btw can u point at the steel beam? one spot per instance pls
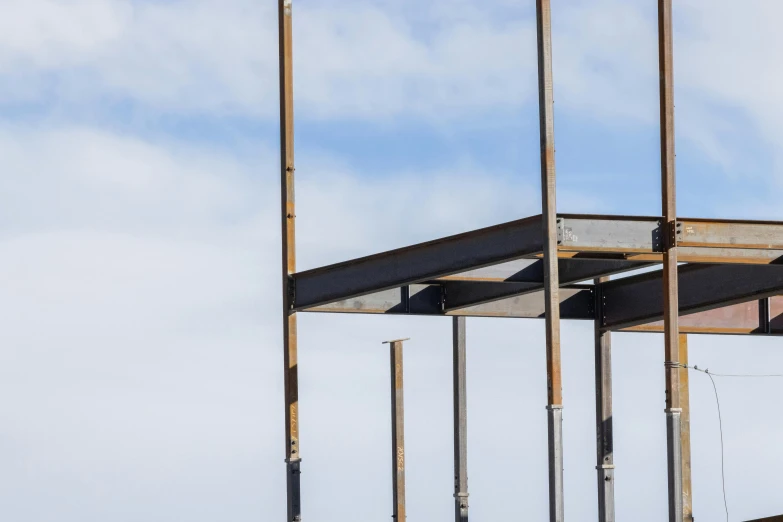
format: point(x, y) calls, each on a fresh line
point(418, 263)
point(603, 413)
point(398, 430)
point(576, 302)
point(288, 216)
point(670, 279)
point(460, 421)
point(685, 436)
point(641, 299)
point(465, 293)
point(550, 244)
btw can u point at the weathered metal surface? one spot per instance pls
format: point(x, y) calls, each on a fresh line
point(418, 263)
point(575, 303)
point(730, 234)
point(550, 246)
point(640, 299)
point(743, 318)
point(603, 413)
point(468, 293)
point(625, 234)
point(670, 274)
point(685, 434)
point(460, 420)
point(288, 216)
point(770, 519)
point(398, 431)
point(532, 270)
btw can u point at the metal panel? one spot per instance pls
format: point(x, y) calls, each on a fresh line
point(288, 216)
point(603, 413)
point(417, 263)
point(460, 421)
point(638, 300)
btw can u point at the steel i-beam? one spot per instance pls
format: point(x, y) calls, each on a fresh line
point(288, 212)
point(670, 302)
point(603, 411)
point(460, 422)
point(551, 279)
point(398, 431)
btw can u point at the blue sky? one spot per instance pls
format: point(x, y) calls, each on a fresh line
point(139, 249)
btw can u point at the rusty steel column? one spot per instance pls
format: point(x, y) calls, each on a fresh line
point(460, 422)
point(551, 277)
point(290, 379)
point(670, 290)
point(603, 411)
point(685, 403)
point(398, 431)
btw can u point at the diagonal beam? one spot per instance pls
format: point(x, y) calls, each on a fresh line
point(468, 293)
point(638, 300)
point(417, 263)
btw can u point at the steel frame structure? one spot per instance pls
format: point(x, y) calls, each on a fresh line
point(717, 277)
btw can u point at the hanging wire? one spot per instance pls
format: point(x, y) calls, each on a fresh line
point(720, 418)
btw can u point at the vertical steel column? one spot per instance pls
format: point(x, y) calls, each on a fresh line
point(551, 277)
point(685, 403)
point(460, 422)
point(671, 302)
point(603, 411)
point(290, 379)
point(398, 431)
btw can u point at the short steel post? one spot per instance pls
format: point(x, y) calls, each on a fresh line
point(603, 411)
point(460, 422)
point(685, 435)
point(398, 431)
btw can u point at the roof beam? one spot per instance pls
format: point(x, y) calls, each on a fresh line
point(638, 300)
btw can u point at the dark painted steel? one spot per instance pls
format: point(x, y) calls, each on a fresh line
point(463, 294)
point(288, 215)
point(418, 263)
point(460, 421)
point(640, 299)
point(576, 302)
point(603, 413)
point(398, 431)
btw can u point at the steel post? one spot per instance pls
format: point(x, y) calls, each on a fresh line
point(288, 212)
point(685, 434)
point(669, 224)
point(603, 412)
point(398, 431)
point(460, 422)
point(551, 279)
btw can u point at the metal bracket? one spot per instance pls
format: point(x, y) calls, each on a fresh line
point(560, 230)
point(291, 292)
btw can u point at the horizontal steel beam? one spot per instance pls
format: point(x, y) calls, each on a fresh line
point(489, 254)
point(417, 263)
point(639, 300)
point(575, 303)
point(467, 293)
